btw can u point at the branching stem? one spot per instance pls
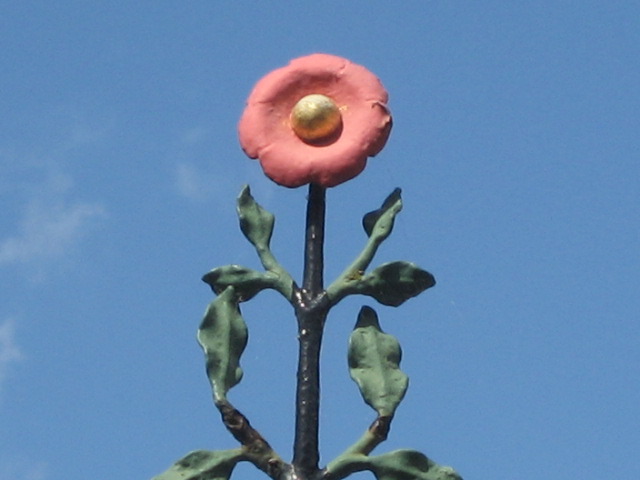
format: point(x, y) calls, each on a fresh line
point(256, 449)
point(311, 306)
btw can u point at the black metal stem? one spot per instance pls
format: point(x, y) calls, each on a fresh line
point(311, 311)
point(314, 241)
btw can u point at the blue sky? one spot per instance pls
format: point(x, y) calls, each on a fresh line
point(515, 142)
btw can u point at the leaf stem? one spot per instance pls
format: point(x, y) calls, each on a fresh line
point(255, 448)
point(352, 274)
point(378, 225)
point(355, 458)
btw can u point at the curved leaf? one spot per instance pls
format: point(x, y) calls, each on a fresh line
point(255, 222)
point(396, 465)
point(203, 465)
point(245, 281)
point(395, 282)
point(378, 226)
point(223, 337)
point(380, 221)
point(374, 361)
point(410, 465)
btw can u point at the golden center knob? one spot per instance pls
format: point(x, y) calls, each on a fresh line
point(315, 117)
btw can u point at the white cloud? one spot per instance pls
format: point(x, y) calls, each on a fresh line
point(50, 222)
point(194, 135)
point(221, 186)
point(43, 220)
point(9, 351)
point(48, 230)
point(191, 183)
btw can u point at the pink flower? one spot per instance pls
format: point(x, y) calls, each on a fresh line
point(317, 120)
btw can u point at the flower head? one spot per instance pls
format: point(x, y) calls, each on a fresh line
point(317, 120)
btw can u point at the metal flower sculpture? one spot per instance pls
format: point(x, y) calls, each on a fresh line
point(313, 122)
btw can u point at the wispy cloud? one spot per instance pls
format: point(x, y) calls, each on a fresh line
point(192, 184)
point(10, 353)
point(44, 219)
point(48, 230)
point(198, 184)
point(49, 222)
point(200, 175)
point(194, 135)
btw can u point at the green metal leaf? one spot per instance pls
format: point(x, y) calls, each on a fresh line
point(409, 465)
point(203, 465)
point(374, 361)
point(223, 337)
point(378, 226)
point(255, 222)
point(380, 221)
point(395, 282)
point(246, 282)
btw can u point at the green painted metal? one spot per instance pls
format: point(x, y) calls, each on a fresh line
point(223, 337)
point(257, 226)
point(255, 222)
point(396, 465)
point(204, 465)
point(374, 364)
point(391, 283)
point(245, 281)
point(409, 465)
point(374, 356)
point(394, 283)
point(379, 223)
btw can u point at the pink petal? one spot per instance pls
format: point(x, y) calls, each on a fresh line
point(265, 132)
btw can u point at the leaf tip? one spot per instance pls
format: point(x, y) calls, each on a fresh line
point(392, 204)
point(367, 317)
point(245, 190)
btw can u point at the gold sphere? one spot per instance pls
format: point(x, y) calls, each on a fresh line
point(315, 117)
